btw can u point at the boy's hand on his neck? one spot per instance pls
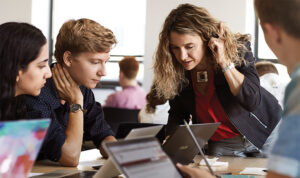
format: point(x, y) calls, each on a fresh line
point(68, 90)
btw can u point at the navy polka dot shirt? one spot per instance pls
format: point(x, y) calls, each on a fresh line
point(47, 105)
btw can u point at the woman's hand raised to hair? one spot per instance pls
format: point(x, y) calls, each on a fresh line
point(218, 50)
point(67, 88)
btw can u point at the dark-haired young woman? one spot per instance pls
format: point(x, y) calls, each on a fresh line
point(23, 67)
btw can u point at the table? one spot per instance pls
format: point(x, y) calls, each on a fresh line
point(87, 159)
point(92, 157)
point(236, 164)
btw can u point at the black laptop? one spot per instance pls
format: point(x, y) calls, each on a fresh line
point(181, 148)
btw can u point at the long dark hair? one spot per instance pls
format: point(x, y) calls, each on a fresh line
point(20, 43)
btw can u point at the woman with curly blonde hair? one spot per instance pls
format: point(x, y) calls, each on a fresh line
point(207, 73)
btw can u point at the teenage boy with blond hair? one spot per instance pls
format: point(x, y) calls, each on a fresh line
point(82, 49)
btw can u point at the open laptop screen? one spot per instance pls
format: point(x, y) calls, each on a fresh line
point(20, 142)
point(141, 158)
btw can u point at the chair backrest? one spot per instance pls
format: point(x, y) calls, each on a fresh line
point(115, 116)
point(125, 128)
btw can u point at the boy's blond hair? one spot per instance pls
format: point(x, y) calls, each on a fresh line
point(82, 35)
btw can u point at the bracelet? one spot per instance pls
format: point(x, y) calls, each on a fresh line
point(230, 66)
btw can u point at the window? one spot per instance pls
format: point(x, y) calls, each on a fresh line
point(125, 18)
point(263, 52)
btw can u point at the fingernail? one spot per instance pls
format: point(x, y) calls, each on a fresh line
point(178, 164)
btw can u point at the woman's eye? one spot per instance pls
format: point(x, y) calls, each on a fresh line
point(189, 47)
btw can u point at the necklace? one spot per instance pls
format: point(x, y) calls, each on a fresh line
point(202, 76)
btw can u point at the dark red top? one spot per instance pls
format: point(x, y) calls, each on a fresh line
point(209, 109)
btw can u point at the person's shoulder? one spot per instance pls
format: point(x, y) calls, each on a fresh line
point(141, 90)
point(292, 97)
point(111, 100)
point(113, 97)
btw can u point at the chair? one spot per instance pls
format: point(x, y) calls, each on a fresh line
point(115, 116)
point(125, 128)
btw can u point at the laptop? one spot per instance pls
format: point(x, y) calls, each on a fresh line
point(125, 128)
point(151, 131)
point(109, 169)
point(142, 157)
point(20, 143)
point(180, 146)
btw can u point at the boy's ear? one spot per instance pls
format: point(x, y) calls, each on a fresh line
point(272, 32)
point(67, 58)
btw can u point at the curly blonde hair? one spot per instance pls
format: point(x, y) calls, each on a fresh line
point(169, 75)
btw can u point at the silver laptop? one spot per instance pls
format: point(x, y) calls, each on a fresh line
point(142, 157)
point(109, 169)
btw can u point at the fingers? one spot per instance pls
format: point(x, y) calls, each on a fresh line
point(186, 169)
point(194, 172)
point(57, 81)
point(57, 76)
point(63, 75)
point(67, 75)
point(213, 46)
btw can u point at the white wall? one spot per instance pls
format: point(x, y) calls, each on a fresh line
point(15, 10)
point(231, 12)
point(35, 12)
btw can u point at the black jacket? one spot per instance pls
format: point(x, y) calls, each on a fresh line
point(254, 111)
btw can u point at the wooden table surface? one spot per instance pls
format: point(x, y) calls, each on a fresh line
point(92, 157)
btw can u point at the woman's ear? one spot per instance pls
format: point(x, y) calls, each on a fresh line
point(19, 74)
point(67, 58)
point(17, 79)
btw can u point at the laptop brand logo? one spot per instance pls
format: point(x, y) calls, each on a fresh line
point(183, 147)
